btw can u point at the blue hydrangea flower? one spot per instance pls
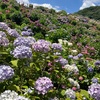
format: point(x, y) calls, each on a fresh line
point(70, 56)
point(13, 32)
point(75, 57)
point(97, 63)
point(26, 41)
point(3, 26)
point(56, 46)
point(41, 46)
point(27, 33)
point(43, 85)
point(94, 80)
point(80, 55)
point(94, 91)
point(90, 69)
point(6, 72)
point(22, 52)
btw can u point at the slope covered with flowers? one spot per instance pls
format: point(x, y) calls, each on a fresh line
point(47, 55)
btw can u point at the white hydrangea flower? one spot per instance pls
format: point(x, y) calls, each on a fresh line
point(74, 52)
point(70, 94)
point(60, 41)
point(71, 68)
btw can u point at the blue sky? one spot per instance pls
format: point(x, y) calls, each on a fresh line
point(70, 6)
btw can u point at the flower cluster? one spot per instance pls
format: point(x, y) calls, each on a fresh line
point(6, 72)
point(62, 61)
point(13, 32)
point(22, 52)
point(97, 63)
point(26, 41)
point(11, 95)
point(71, 68)
point(41, 46)
point(70, 94)
point(28, 32)
point(3, 26)
point(43, 85)
point(2, 34)
point(56, 46)
point(94, 91)
point(4, 41)
point(74, 83)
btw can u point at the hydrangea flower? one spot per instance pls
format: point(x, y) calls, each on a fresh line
point(90, 69)
point(11, 95)
point(4, 41)
point(26, 41)
point(3, 26)
point(71, 68)
point(41, 46)
point(75, 57)
point(56, 46)
point(43, 85)
point(70, 56)
point(80, 55)
point(2, 34)
point(6, 72)
point(94, 80)
point(94, 91)
point(70, 94)
point(22, 52)
point(74, 83)
point(62, 61)
point(13, 32)
point(28, 32)
point(97, 63)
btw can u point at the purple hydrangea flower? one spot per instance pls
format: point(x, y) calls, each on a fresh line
point(13, 32)
point(97, 63)
point(43, 85)
point(3, 26)
point(2, 34)
point(6, 72)
point(26, 41)
point(22, 52)
point(62, 61)
point(94, 91)
point(90, 69)
point(41, 46)
point(57, 46)
point(4, 41)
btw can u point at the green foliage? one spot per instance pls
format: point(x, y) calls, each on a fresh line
point(91, 12)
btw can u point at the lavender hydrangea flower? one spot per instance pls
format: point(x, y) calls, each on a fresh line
point(6, 72)
point(70, 94)
point(41, 46)
point(56, 46)
point(94, 91)
point(11, 95)
point(43, 85)
point(80, 55)
point(22, 52)
point(3, 26)
point(13, 32)
point(62, 61)
point(70, 56)
point(2, 34)
point(4, 41)
point(75, 57)
point(26, 41)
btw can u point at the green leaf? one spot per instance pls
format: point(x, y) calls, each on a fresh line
point(14, 63)
point(84, 93)
point(25, 87)
point(63, 92)
point(31, 82)
point(14, 87)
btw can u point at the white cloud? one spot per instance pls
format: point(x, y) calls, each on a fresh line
point(49, 6)
point(88, 3)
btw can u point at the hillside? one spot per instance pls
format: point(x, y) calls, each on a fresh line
point(91, 12)
point(48, 55)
